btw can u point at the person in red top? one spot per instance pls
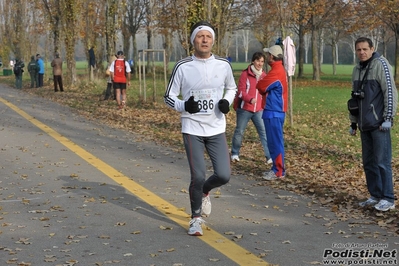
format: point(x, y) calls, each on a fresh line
point(248, 106)
point(120, 75)
point(274, 87)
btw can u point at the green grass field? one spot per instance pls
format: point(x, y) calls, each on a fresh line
point(326, 69)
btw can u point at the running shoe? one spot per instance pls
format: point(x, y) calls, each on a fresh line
point(270, 175)
point(384, 205)
point(206, 205)
point(369, 202)
point(235, 158)
point(195, 226)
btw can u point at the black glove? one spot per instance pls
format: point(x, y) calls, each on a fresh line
point(191, 106)
point(224, 106)
point(352, 129)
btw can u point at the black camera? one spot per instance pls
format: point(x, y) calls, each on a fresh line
point(358, 94)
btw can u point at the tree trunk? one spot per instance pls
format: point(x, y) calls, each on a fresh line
point(396, 76)
point(126, 40)
point(168, 50)
point(56, 27)
point(334, 60)
point(301, 52)
point(149, 46)
point(70, 38)
point(19, 30)
point(110, 37)
point(70, 59)
point(315, 55)
point(135, 54)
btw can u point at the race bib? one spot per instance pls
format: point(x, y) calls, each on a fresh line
point(207, 99)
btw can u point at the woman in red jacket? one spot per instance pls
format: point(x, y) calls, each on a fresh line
point(248, 106)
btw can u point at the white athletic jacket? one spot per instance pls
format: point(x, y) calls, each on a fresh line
point(209, 80)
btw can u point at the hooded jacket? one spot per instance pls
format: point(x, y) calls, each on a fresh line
point(378, 97)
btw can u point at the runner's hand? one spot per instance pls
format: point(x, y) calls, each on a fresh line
point(191, 106)
point(224, 106)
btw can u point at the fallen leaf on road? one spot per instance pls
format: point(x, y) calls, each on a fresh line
point(166, 227)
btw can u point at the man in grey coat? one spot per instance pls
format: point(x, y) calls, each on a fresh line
point(372, 109)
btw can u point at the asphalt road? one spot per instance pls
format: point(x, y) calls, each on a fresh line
point(76, 192)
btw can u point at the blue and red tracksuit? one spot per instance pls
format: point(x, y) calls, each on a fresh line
point(274, 87)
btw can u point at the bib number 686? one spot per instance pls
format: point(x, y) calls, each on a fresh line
point(206, 105)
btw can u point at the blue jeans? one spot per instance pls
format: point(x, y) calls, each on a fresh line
point(218, 151)
point(377, 157)
point(242, 120)
point(40, 79)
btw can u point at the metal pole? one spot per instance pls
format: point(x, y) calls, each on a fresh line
point(209, 10)
point(154, 90)
point(291, 102)
point(140, 54)
point(164, 67)
point(145, 86)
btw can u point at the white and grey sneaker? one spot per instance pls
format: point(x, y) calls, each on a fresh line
point(270, 175)
point(384, 205)
point(369, 202)
point(206, 205)
point(195, 226)
point(235, 158)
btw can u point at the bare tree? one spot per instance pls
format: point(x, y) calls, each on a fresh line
point(111, 11)
point(13, 29)
point(386, 12)
point(71, 16)
point(338, 26)
point(245, 41)
point(53, 13)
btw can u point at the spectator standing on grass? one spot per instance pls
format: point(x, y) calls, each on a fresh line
point(109, 91)
point(374, 90)
point(56, 64)
point(207, 88)
point(18, 71)
point(274, 88)
point(41, 70)
point(92, 62)
point(248, 106)
point(33, 69)
point(131, 63)
point(120, 75)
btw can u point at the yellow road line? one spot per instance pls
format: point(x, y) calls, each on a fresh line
point(217, 241)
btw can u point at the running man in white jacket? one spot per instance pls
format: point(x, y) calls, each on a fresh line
point(202, 88)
